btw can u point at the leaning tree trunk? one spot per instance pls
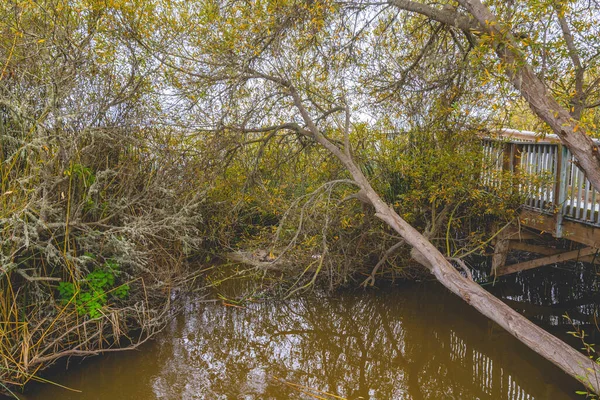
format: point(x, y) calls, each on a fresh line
point(548, 346)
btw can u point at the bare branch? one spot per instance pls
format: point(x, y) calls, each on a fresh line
point(577, 99)
point(447, 16)
point(370, 281)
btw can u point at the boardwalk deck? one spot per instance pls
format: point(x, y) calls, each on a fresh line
point(559, 198)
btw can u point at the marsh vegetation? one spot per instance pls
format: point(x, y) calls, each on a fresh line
point(329, 144)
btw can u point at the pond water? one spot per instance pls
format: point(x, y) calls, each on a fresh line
point(413, 341)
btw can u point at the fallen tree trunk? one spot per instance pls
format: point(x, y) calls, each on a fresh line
point(571, 361)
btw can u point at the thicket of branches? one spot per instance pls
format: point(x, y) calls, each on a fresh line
point(97, 213)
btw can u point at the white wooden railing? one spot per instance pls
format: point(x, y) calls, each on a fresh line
point(549, 176)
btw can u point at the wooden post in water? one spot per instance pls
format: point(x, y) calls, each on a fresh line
point(501, 249)
point(510, 161)
point(560, 188)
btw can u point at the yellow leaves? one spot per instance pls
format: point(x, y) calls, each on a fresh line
point(16, 32)
point(310, 241)
point(487, 73)
point(345, 222)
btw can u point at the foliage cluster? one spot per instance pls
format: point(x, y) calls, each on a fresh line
point(91, 294)
point(84, 169)
point(315, 224)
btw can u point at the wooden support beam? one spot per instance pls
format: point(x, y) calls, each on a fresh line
point(532, 248)
point(518, 232)
point(552, 259)
point(571, 230)
point(501, 248)
point(548, 251)
point(522, 235)
point(578, 232)
point(500, 253)
point(540, 222)
point(502, 244)
point(560, 188)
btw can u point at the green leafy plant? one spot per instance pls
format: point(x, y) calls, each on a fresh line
point(90, 295)
point(84, 173)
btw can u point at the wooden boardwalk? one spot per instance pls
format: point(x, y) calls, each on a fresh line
point(559, 198)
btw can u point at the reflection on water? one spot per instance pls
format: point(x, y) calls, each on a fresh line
point(407, 342)
point(546, 294)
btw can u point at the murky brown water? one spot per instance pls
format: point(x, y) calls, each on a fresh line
point(406, 342)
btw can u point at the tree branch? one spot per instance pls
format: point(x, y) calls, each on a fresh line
point(577, 100)
point(446, 16)
point(370, 281)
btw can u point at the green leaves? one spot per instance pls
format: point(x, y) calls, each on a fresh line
point(90, 295)
point(122, 291)
point(66, 290)
point(100, 279)
point(85, 174)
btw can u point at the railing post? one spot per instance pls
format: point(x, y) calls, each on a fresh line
point(516, 157)
point(516, 150)
point(507, 157)
point(560, 187)
point(510, 161)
